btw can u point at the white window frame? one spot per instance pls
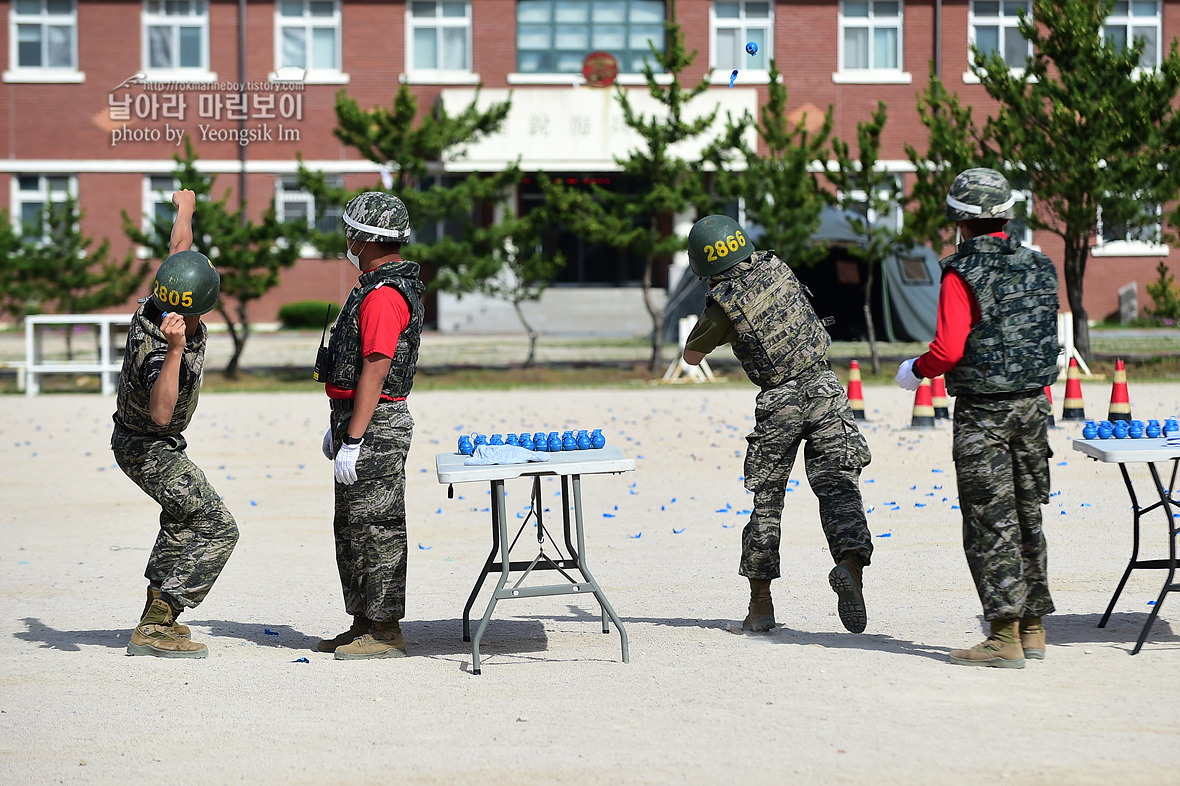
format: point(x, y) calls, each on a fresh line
point(861, 196)
point(625, 76)
point(284, 196)
point(743, 25)
point(151, 198)
point(1130, 20)
point(871, 75)
point(1027, 198)
point(42, 73)
point(1130, 248)
point(148, 18)
point(43, 195)
point(309, 75)
point(1003, 22)
point(440, 76)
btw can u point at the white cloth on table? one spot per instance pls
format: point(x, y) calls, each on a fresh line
point(503, 454)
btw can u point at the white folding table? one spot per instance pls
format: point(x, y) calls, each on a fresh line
point(1147, 451)
point(569, 466)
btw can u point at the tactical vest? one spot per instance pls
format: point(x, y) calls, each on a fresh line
point(133, 409)
point(344, 347)
point(779, 334)
point(1014, 345)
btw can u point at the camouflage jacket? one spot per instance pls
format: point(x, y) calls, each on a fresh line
point(1014, 345)
point(142, 361)
point(779, 334)
point(344, 348)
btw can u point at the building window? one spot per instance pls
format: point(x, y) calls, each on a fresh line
point(994, 26)
point(438, 36)
point(293, 203)
point(157, 200)
point(34, 195)
point(736, 24)
point(308, 36)
point(44, 35)
point(1140, 237)
point(176, 34)
point(554, 36)
point(870, 35)
point(1137, 19)
point(1017, 226)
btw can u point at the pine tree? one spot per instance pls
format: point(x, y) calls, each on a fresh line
point(1082, 127)
point(668, 183)
point(780, 190)
point(248, 255)
point(866, 193)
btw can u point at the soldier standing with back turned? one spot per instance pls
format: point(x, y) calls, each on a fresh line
point(756, 304)
point(158, 390)
point(996, 343)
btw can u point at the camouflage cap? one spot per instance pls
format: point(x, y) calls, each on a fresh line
point(376, 217)
point(980, 193)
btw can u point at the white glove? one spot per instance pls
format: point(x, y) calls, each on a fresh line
point(907, 377)
point(327, 446)
point(346, 463)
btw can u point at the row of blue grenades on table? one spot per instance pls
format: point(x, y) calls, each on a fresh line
point(586, 439)
point(1134, 429)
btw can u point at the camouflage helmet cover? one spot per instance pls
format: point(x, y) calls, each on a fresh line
point(715, 244)
point(980, 193)
point(187, 283)
point(376, 217)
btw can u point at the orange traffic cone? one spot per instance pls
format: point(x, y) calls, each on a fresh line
point(938, 397)
point(1049, 395)
point(1120, 399)
point(856, 396)
point(923, 407)
point(1073, 408)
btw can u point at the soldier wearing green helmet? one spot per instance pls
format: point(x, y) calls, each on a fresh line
point(158, 390)
point(996, 343)
point(756, 305)
point(369, 371)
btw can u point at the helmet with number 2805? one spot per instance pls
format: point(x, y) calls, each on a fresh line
point(187, 283)
point(715, 244)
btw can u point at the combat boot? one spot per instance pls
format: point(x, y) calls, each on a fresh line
point(1001, 650)
point(360, 626)
point(761, 615)
point(383, 641)
point(1032, 638)
point(153, 594)
point(155, 635)
point(845, 580)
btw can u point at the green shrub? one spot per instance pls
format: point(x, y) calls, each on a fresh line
point(305, 314)
point(1166, 296)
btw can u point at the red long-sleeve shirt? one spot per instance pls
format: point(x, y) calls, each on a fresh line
point(958, 312)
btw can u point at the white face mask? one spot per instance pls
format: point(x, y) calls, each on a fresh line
point(353, 258)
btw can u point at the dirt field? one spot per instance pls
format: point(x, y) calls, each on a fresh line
point(698, 703)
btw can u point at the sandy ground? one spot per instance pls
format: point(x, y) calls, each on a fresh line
point(698, 703)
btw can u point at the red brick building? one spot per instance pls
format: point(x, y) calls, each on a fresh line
point(90, 104)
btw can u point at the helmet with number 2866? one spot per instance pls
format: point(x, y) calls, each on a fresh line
point(715, 244)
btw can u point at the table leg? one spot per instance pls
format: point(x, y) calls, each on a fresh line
point(1136, 512)
point(598, 593)
point(1169, 584)
point(576, 552)
point(500, 515)
point(487, 568)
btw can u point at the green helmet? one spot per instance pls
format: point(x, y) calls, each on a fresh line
point(186, 283)
point(717, 243)
point(980, 193)
point(376, 217)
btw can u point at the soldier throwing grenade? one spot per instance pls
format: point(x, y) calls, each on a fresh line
point(158, 390)
point(756, 304)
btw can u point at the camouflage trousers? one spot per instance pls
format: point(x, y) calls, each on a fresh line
point(370, 515)
point(1001, 452)
point(197, 532)
point(814, 409)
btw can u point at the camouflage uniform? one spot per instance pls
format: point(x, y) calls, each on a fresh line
point(1001, 446)
point(370, 515)
point(197, 532)
point(782, 346)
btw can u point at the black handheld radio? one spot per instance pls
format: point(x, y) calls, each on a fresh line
point(321, 356)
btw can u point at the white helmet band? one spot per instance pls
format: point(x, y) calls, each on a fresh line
point(392, 234)
point(976, 210)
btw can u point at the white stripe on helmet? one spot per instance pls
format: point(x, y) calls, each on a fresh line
point(379, 231)
point(976, 210)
